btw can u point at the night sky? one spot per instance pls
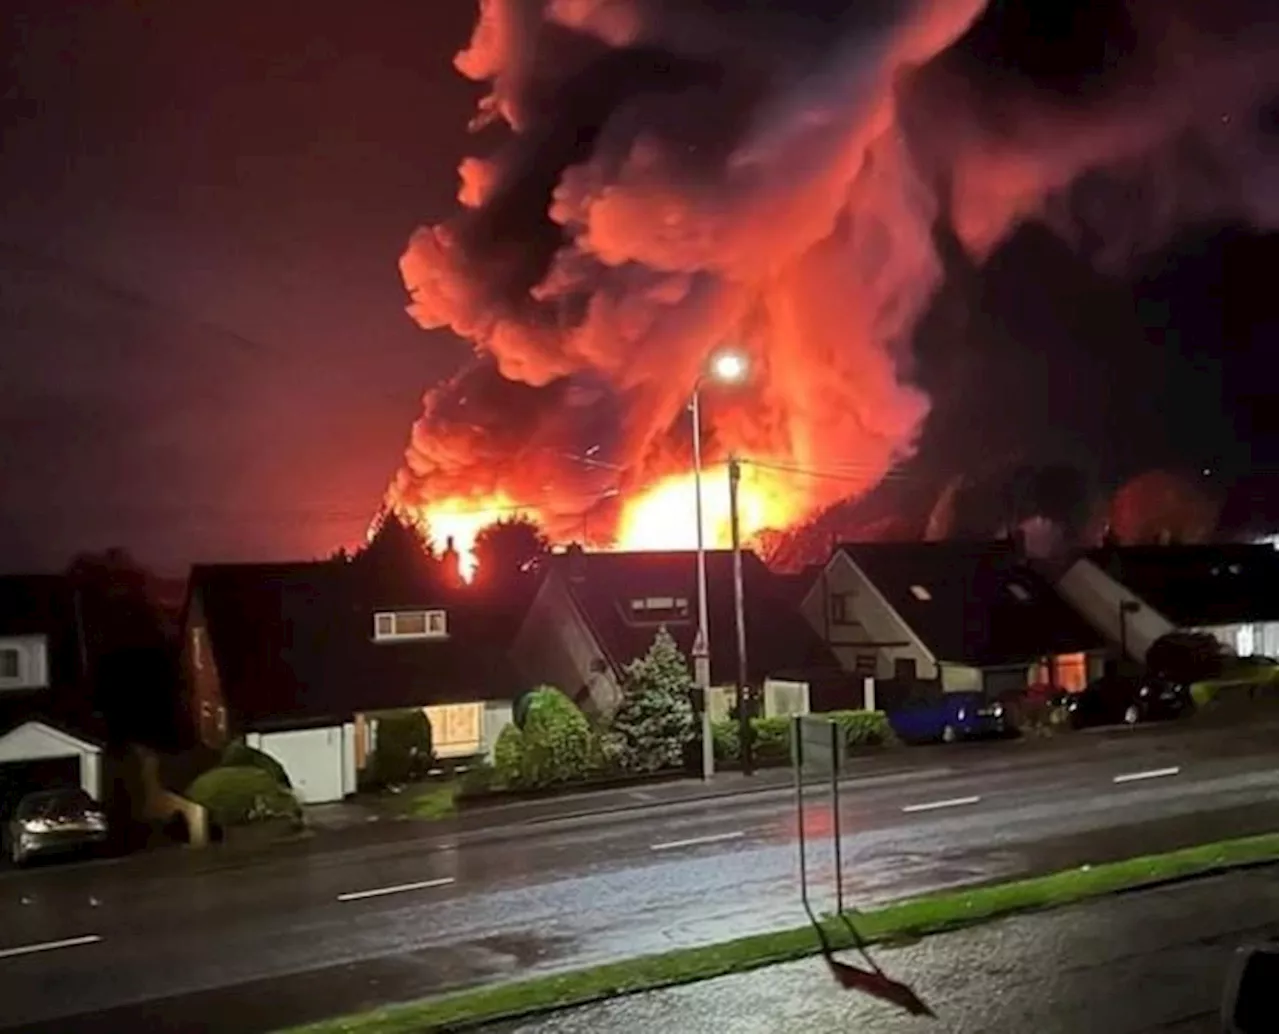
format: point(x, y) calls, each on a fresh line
point(203, 348)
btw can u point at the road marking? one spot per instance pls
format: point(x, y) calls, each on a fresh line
point(716, 838)
point(953, 802)
point(1155, 773)
point(31, 949)
point(377, 892)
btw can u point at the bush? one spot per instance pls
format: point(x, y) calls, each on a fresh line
point(726, 740)
point(654, 722)
point(402, 747)
point(237, 795)
point(556, 744)
point(240, 755)
point(771, 737)
point(508, 757)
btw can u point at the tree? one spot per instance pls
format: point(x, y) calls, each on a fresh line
point(654, 722)
point(507, 548)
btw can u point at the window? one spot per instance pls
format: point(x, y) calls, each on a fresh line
point(842, 609)
point(921, 593)
point(456, 729)
point(10, 664)
point(904, 669)
point(864, 664)
point(410, 624)
point(660, 608)
point(1019, 592)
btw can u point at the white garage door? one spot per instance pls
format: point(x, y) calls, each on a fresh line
point(313, 759)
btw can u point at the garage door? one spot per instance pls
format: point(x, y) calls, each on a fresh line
point(313, 759)
point(19, 778)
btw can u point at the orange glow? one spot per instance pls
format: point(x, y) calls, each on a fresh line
point(662, 517)
point(462, 520)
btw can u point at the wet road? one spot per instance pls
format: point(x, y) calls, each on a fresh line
point(1143, 962)
point(101, 948)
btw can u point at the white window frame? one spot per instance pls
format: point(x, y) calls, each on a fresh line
point(435, 625)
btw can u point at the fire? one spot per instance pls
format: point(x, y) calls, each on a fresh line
point(461, 520)
point(662, 517)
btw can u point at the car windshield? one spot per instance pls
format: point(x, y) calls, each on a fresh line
point(54, 804)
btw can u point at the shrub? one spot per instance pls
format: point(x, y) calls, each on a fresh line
point(726, 740)
point(508, 757)
point(863, 728)
point(654, 721)
point(556, 740)
point(240, 755)
point(771, 740)
point(402, 747)
point(237, 795)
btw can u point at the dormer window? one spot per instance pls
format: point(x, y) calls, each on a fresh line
point(659, 608)
point(394, 625)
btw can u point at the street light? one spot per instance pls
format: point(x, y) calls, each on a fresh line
point(729, 368)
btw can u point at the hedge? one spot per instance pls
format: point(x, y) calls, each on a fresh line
point(555, 746)
point(240, 755)
point(771, 737)
point(402, 747)
point(242, 794)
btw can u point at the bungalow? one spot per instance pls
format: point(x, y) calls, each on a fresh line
point(594, 613)
point(973, 615)
point(300, 657)
point(1136, 594)
point(48, 733)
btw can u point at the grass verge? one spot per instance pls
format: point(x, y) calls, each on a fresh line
point(932, 913)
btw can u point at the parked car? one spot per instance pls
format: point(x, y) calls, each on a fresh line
point(1126, 700)
point(55, 822)
point(947, 717)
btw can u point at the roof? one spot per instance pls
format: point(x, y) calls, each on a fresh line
point(985, 606)
point(794, 586)
point(294, 642)
point(1198, 586)
point(779, 639)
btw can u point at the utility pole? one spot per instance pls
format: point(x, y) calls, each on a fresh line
point(739, 617)
point(701, 647)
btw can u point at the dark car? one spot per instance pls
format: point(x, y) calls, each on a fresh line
point(55, 822)
point(947, 717)
point(1126, 700)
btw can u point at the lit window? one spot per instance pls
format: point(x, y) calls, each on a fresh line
point(410, 624)
point(921, 593)
point(1019, 592)
point(456, 729)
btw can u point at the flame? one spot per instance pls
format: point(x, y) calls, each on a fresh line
point(461, 520)
point(662, 517)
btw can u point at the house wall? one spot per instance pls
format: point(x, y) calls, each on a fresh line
point(497, 716)
point(205, 708)
point(874, 621)
point(1247, 638)
point(31, 652)
point(1097, 597)
point(320, 762)
point(555, 646)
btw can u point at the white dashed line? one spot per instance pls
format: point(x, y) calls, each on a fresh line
point(1155, 773)
point(954, 802)
point(695, 841)
point(357, 895)
point(31, 949)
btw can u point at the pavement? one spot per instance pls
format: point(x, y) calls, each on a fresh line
point(334, 924)
point(1138, 963)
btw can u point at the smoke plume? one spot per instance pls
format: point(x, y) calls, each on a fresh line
point(681, 175)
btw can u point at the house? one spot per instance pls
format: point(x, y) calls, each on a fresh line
point(1136, 594)
point(49, 735)
point(299, 658)
point(594, 613)
point(972, 615)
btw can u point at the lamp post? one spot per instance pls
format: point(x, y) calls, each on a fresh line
point(726, 367)
point(739, 618)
